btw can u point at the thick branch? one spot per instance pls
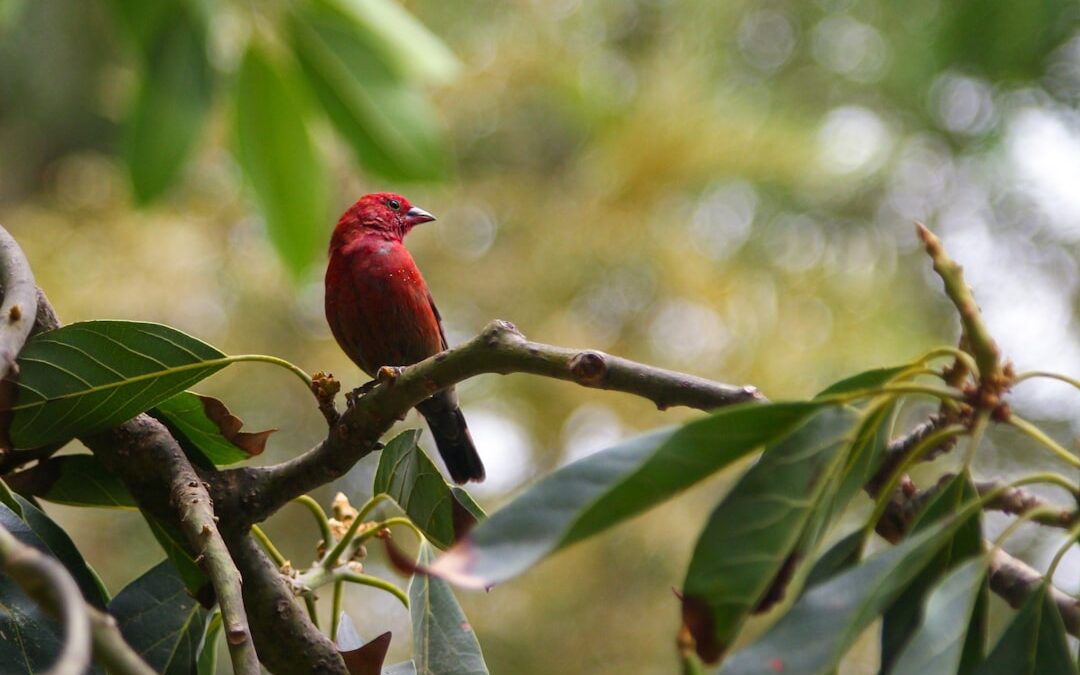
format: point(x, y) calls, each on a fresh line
point(49, 584)
point(500, 348)
point(284, 635)
point(158, 474)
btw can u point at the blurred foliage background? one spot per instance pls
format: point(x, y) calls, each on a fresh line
point(726, 188)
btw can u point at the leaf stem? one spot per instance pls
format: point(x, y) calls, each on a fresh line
point(1039, 435)
point(390, 522)
point(977, 430)
point(959, 354)
point(374, 582)
point(335, 609)
point(272, 550)
point(1031, 374)
point(331, 559)
point(320, 516)
point(370, 505)
point(309, 602)
point(1070, 541)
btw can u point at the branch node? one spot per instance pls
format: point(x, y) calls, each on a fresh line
point(588, 368)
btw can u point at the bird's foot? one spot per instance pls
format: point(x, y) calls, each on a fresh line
point(387, 374)
point(351, 397)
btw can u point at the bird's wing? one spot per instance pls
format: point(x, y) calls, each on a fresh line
point(438, 321)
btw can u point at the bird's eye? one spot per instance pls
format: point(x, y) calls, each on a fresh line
point(394, 204)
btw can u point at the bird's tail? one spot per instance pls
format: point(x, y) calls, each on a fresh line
point(452, 437)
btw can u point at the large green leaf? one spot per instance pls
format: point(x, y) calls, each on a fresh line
point(841, 556)
point(1034, 643)
point(813, 636)
point(938, 643)
point(402, 42)
point(276, 152)
point(170, 107)
point(751, 534)
point(208, 432)
point(608, 487)
point(29, 640)
point(902, 618)
point(75, 480)
point(161, 621)
point(443, 640)
point(87, 377)
point(59, 545)
point(389, 124)
point(413, 481)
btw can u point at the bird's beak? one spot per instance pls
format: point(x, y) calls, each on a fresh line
point(416, 215)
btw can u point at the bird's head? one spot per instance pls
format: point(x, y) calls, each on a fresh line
point(382, 213)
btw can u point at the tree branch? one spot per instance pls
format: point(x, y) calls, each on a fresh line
point(19, 308)
point(284, 635)
point(1015, 581)
point(256, 493)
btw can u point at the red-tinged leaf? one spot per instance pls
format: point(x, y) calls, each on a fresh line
point(206, 427)
point(368, 660)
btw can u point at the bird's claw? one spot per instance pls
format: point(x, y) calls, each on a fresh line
point(351, 397)
point(387, 374)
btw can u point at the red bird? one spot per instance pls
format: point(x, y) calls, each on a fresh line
point(382, 314)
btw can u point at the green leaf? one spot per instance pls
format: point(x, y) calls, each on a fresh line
point(865, 457)
point(938, 643)
point(869, 379)
point(389, 124)
point(902, 618)
point(160, 621)
point(402, 42)
point(59, 545)
point(820, 627)
point(413, 481)
point(841, 556)
point(1034, 643)
point(75, 480)
point(602, 490)
point(749, 540)
point(276, 152)
point(29, 640)
point(443, 640)
point(174, 95)
point(207, 661)
point(175, 546)
point(403, 668)
point(207, 430)
point(87, 377)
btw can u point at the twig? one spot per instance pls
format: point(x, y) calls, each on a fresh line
point(110, 649)
point(982, 345)
point(49, 584)
point(1017, 501)
point(500, 348)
